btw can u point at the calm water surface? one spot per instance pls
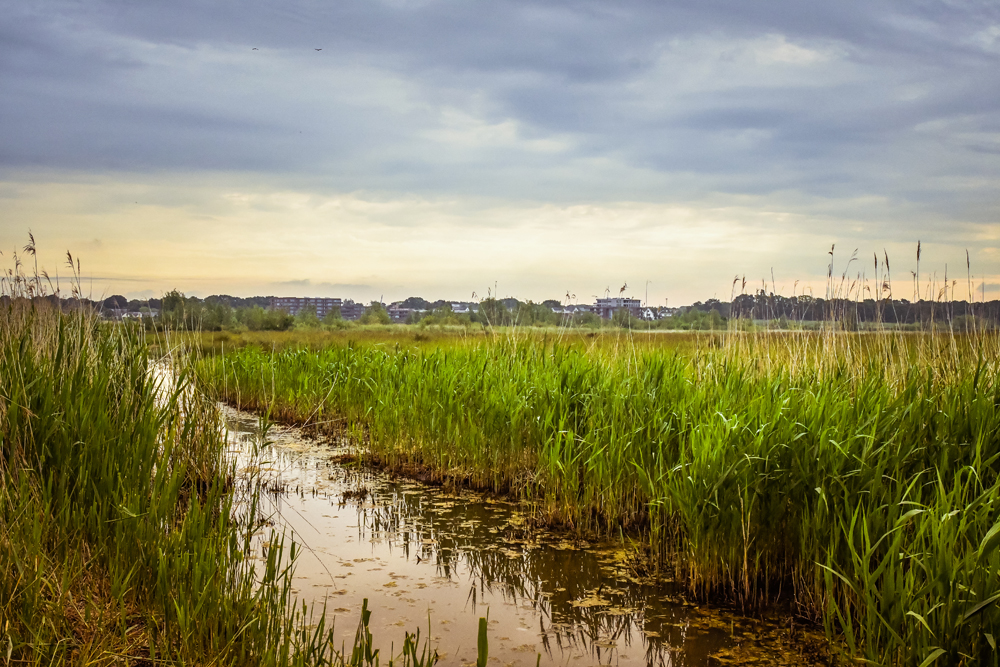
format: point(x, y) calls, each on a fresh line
point(428, 558)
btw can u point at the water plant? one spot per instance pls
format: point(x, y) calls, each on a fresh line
point(482, 645)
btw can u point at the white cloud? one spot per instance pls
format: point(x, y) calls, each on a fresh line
point(222, 239)
point(461, 130)
point(988, 38)
point(777, 49)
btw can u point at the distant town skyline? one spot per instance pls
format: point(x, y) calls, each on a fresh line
point(384, 149)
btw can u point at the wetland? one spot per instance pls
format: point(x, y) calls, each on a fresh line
point(850, 480)
point(828, 497)
point(423, 555)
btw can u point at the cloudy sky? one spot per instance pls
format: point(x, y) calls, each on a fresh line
point(441, 148)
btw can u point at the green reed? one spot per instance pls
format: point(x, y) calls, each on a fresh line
point(854, 474)
point(125, 534)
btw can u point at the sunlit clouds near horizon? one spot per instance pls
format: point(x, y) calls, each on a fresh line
point(386, 149)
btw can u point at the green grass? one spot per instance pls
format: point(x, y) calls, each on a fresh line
point(125, 536)
point(418, 338)
point(856, 475)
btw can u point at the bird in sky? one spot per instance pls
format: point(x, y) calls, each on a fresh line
point(254, 49)
point(622, 290)
point(317, 49)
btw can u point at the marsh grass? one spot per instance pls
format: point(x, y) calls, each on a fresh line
point(415, 337)
point(117, 538)
point(125, 534)
point(853, 474)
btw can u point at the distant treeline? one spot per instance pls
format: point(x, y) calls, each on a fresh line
point(765, 306)
point(136, 305)
point(759, 310)
point(218, 312)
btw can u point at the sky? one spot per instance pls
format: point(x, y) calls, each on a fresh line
point(383, 149)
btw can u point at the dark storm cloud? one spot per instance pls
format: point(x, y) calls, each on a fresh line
point(638, 100)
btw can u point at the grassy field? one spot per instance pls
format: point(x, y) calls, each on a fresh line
point(125, 535)
point(856, 475)
point(417, 338)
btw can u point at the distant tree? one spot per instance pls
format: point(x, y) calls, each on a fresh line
point(116, 301)
point(375, 313)
point(172, 311)
point(493, 312)
point(534, 314)
point(587, 319)
point(416, 303)
point(306, 318)
point(444, 315)
point(256, 318)
point(551, 303)
point(623, 319)
point(252, 318)
point(333, 317)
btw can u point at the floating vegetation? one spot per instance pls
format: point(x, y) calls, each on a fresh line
point(455, 552)
point(359, 493)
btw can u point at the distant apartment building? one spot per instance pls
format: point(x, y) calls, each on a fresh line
point(607, 307)
point(352, 311)
point(293, 305)
point(398, 313)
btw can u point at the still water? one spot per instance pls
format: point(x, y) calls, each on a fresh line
point(437, 560)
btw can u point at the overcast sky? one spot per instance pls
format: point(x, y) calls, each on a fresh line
point(397, 148)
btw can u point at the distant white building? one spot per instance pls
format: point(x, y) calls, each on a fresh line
point(460, 308)
point(606, 308)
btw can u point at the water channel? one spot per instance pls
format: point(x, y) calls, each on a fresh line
point(436, 560)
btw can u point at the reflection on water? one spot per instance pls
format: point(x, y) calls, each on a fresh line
point(425, 557)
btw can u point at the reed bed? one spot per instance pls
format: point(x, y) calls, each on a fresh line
point(856, 475)
point(416, 338)
point(125, 536)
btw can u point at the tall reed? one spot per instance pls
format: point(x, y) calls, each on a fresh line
point(855, 474)
point(125, 536)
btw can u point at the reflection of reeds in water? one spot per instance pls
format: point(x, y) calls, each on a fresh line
point(522, 568)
